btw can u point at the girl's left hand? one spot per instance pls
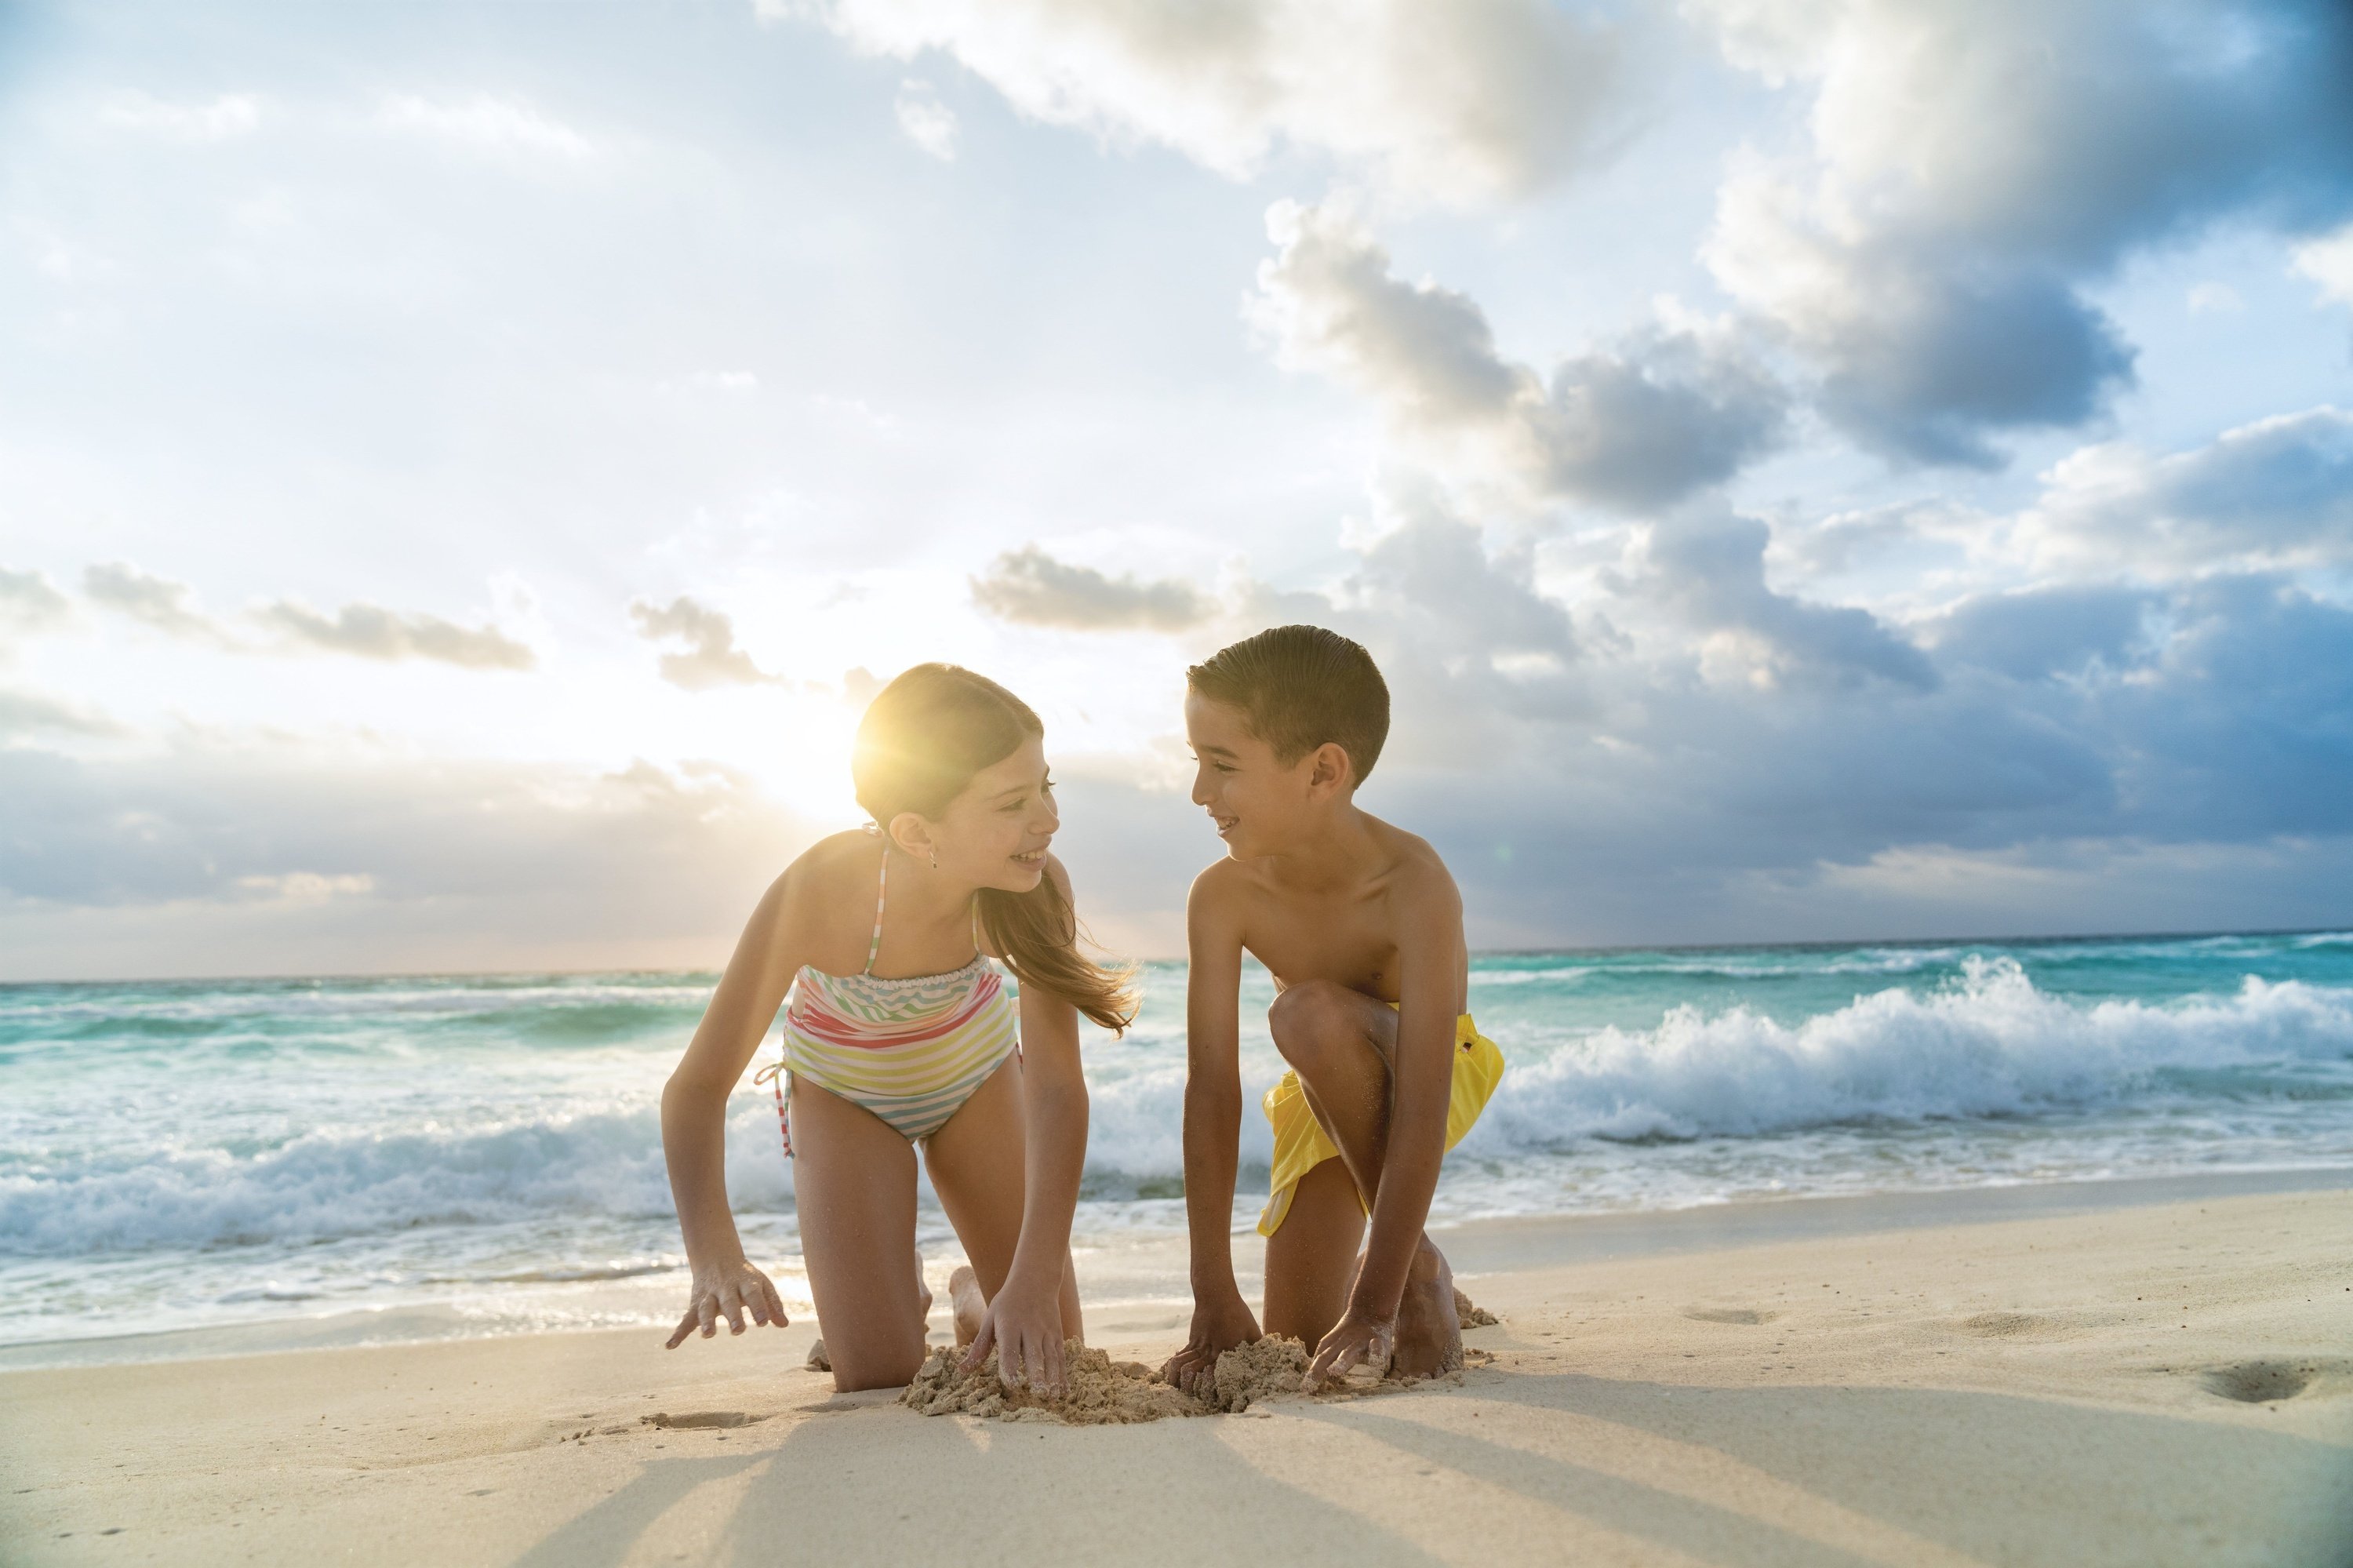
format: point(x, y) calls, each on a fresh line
point(1025, 1324)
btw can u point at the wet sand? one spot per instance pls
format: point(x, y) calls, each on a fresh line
point(1995, 1379)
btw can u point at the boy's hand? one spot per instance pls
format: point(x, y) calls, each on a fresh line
point(1355, 1340)
point(1216, 1331)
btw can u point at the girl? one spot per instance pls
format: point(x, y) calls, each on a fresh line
point(900, 1033)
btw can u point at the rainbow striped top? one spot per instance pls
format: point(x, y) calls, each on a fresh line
point(910, 1051)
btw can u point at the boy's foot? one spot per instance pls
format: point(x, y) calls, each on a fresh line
point(1429, 1333)
point(964, 1292)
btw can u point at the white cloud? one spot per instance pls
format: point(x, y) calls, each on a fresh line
point(221, 119)
point(29, 603)
point(371, 631)
point(1974, 164)
point(930, 124)
point(485, 123)
point(166, 605)
point(362, 629)
point(24, 714)
point(259, 855)
point(2328, 261)
point(307, 888)
point(2212, 299)
point(1464, 100)
point(1031, 586)
point(1667, 411)
point(2278, 492)
point(711, 659)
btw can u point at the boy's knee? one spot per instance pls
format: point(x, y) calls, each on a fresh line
point(1309, 1018)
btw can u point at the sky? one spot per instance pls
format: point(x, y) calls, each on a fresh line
point(1809, 469)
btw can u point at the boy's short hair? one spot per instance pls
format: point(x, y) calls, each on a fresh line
point(1300, 686)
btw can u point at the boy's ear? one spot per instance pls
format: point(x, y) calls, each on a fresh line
point(1330, 771)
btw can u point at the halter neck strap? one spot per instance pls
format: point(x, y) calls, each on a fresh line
point(881, 890)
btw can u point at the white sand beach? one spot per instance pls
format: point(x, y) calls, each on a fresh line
point(2100, 1380)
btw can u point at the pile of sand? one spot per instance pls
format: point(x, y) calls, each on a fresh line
point(1103, 1392)
point(1473, 1315)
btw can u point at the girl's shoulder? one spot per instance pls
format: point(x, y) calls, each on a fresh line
point(829, 886)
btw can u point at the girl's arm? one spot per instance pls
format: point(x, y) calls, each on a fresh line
point(1025, 1318)
point(694, 1122)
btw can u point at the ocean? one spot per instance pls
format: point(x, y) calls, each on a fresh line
point(340, 1160)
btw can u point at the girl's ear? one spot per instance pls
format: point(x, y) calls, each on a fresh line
point(913, 835)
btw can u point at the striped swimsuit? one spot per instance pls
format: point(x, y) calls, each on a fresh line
point(912, 1051)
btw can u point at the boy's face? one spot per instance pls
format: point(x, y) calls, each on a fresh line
point(1256, 802)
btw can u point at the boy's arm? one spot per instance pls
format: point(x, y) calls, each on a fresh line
point(1429, 992)
point(1213, 1121)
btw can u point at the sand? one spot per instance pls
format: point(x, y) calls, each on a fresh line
point(1102, 1391)
point(2118, 1382)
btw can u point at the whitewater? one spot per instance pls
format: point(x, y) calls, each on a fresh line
point(481, 1154)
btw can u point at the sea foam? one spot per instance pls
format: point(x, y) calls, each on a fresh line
point(1993, 1044)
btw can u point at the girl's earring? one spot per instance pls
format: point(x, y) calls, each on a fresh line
point(935, 860)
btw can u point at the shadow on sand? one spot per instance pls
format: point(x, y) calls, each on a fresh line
point(1998, 1478)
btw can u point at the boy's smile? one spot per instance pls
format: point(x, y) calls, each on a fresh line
point(1253, 800)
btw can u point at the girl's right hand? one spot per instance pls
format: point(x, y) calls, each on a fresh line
point(727, 1290)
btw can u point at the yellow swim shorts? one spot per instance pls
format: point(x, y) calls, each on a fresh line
point(1299, 1145)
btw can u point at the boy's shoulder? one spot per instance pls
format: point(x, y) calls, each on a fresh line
point(1407, 862)
point(1222, 884)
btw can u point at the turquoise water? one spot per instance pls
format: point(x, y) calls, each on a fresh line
point(191, 1154)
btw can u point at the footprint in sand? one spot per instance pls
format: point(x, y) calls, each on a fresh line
point(2009, 1326)
point(2267, 1381)
point(701, 1419)
point(1748, 1315)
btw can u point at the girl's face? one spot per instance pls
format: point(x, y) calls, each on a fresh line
point(994, 833)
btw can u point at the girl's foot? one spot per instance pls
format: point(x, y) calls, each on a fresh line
point(971, 1306)
point(1429, 1332)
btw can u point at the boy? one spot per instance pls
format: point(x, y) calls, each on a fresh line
point(1362, 927)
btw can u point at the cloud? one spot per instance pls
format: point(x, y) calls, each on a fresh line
point(29, 602)
point(485, 123)
point(2047, 633)
point(371, 631)
point(923, 120)
point(307, 888)
point(2328, 261)
point(229, 115)
point(24, 714)
point(1464, 100)
point(712, 658)
point(1973, 166)
point(2276, 491)
point(1030, 586)
point(227, 856)
point(363, 631)
point(1666, 412)
point(1712, 569)
point(168, 607)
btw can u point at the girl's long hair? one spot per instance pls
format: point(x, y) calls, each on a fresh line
point(923, 737)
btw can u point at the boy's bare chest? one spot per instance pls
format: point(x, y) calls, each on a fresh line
point(1351, 947)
